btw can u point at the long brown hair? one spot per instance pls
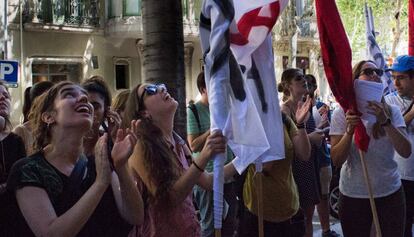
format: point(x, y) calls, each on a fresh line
point(159, 160)
point(7, 118)
point(119, 101)
point(377, 130)
point(44, 103)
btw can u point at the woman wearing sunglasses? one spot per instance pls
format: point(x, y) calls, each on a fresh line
point(295, 88)
point(159, 163)
point(387, 135)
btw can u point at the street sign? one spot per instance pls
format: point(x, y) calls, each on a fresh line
point(9, 71)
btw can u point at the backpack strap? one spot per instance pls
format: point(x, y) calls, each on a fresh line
point(195, 112)
point(72, 191)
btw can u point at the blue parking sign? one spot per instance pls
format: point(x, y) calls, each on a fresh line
point(9, 71)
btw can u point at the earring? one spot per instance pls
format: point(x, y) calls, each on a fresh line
point(47, 126)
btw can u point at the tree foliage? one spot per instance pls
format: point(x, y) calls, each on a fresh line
point(384, 13)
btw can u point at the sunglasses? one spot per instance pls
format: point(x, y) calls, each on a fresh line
point(370, 71)
point(150, 90)
point(400, 77)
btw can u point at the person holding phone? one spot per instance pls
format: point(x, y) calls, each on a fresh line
point(53, 188)
point(107, 215)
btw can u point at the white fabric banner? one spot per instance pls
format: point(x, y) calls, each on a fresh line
point(374, 52)
point(241, 83)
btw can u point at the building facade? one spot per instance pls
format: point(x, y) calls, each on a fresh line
point(74, 39)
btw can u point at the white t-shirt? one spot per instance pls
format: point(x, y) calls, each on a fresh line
point(316, 116)
point(405, 166)
point(382, 168)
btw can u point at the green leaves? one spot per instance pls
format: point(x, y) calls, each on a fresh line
point(384, 11)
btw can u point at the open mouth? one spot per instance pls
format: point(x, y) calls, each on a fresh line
point(83, 108)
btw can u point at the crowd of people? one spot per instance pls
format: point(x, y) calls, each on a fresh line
point(84, 164)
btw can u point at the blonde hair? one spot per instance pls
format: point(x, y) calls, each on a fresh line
point(119, 101)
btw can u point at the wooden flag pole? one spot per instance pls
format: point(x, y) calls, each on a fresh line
point(259, 185)
point(217, 232)
point(370, 194)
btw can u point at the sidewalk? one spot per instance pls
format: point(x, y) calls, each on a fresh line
point(335, 226)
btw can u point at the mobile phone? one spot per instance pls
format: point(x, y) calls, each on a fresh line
point(109, 145)
point(304, 98)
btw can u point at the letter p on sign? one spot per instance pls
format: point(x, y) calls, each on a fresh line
point(8, 71)
point(5, 69)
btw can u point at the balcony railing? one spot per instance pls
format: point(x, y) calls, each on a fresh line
point(308, 27)
point(63, 12)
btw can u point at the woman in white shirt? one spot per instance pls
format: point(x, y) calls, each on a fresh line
point(387, 135)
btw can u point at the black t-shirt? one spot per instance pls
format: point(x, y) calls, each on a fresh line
point(37, 171)
point(12, 147)
point(106, 220)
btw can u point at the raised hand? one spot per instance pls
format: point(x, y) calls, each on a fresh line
point(103, 168)
point(124, 144)
point(378, 109)
point(215, 144)
point(114, 123)
point(302, 111)
point(352, 121)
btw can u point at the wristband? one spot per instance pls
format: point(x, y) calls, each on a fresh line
point(198, 167)
point(386, 123)
point(348, 131)
point(300, 125)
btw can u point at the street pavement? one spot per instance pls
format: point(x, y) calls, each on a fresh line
point(335, 225)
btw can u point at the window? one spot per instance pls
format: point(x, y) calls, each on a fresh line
point(122, 74)
point(115, 9)
point(55, 72)
point(132, 8)
point(185, 8)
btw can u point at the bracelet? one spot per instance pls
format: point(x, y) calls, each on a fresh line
point(348, 131)
point(386, 123)
point(198, 167)
point(300, 125)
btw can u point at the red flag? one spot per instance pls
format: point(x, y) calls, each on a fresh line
point(411, 27)
point(337, 61)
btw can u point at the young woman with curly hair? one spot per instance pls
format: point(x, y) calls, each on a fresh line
point(53, 189)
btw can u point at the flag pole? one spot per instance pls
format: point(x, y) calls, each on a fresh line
point(370, 194)
point(217, 232)
point(259, 185)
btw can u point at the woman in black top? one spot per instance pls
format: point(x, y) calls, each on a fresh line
point(11, 145)
point(11, 149)
point(53, 196)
